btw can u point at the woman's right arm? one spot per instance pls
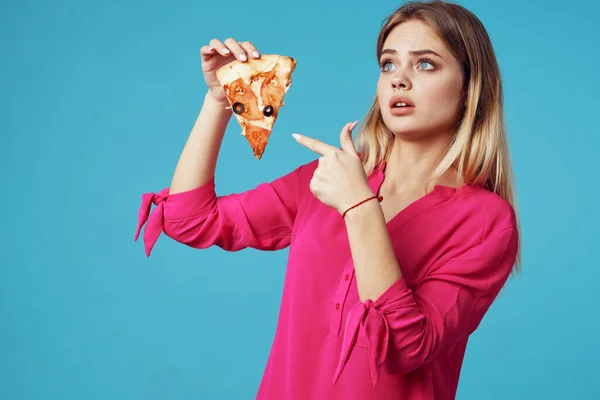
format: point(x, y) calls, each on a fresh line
point(189, 211)
point(196, 165)
point(198, 159)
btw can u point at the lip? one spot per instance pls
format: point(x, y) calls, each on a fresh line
point(399, 111)
point(401, 99)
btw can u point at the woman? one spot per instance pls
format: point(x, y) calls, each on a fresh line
point(397, 247)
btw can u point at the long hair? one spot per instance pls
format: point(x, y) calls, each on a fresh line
point(479, 148)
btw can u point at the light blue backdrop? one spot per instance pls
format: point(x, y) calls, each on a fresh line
point(96, 102)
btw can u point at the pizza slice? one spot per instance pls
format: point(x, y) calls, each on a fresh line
point(255, 90)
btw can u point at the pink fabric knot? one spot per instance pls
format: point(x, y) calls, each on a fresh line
point(376, 333)
point(155, 223)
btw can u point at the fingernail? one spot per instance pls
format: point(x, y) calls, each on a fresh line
point(296, 136)
point(353, 125)
point(211, 48)
point(243, 57)
point(255, 54)
point(226, 51)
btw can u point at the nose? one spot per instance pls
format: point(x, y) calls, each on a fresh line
point(400, 80)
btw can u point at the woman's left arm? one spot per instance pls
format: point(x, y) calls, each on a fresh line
point(404, 329)
point(340, 182)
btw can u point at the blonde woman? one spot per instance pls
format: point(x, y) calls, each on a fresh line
point(398, 245)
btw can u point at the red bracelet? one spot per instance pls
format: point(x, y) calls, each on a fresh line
point(380, 198)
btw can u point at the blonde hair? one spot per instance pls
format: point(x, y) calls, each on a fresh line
point(479, 149)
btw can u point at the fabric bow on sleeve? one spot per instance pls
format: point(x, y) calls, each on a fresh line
point(155, 222)
point(376, 332)
point(371, 320)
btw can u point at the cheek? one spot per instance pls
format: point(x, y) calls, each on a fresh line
point(443, 100)
point(383, 94)
point(381, 89)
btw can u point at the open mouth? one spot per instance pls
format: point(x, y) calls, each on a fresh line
point(401, 105)
point(400, 101)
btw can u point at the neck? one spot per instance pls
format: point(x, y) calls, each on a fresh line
point(411, 164)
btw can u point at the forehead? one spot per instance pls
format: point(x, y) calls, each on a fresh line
point(414, 35)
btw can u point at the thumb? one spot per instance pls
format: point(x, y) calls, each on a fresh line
point(346, 139)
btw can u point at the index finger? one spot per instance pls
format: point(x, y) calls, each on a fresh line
point(315, 145)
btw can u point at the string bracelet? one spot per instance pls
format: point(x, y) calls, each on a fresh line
point(380, 198)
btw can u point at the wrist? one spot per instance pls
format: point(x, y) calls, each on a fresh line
point(359, 201)
point(211, 101)
point(363, 212)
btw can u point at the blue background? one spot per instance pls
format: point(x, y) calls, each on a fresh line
point(96, 102)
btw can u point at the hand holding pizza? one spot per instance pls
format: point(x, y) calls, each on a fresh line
point(217, 54)
point(340, 180)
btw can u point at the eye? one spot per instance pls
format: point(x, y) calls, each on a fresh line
point(425, 61)
point(238, 108)
point(386, 65)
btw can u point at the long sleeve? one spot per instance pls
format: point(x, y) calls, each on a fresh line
point(260, 218)
point(404, 329)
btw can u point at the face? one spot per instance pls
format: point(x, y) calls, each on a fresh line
point(431, 82)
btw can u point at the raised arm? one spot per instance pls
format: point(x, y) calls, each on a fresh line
point(189, 211)
point(196, 166)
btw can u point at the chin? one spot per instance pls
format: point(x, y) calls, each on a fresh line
point(409, 128)
point(411, 132)
point(403, 126)
point(408, 135)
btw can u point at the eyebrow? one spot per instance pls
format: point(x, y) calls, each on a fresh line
point(413, 53)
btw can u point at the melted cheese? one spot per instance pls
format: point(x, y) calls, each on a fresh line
point(252, 73)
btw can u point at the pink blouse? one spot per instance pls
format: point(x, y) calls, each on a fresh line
point(455, 247)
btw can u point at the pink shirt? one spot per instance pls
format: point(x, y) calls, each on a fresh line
point(455, 248)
